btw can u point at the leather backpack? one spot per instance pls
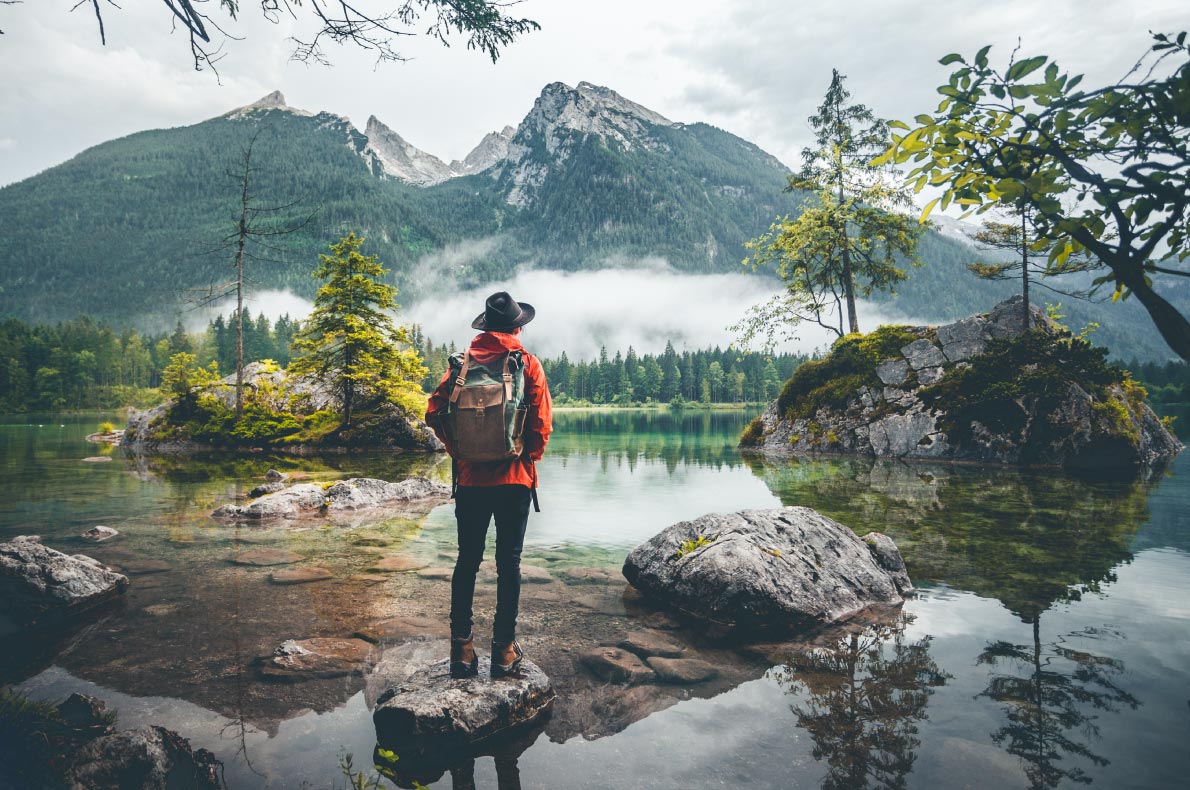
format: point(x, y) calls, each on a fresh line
point(485, 413)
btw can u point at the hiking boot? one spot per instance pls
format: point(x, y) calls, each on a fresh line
point(506, 658)
point(464, 663)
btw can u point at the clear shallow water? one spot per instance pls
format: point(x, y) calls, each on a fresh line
point(1047, 647)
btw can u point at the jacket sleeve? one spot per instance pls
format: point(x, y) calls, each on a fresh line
point(538, 422)
point(436, 411)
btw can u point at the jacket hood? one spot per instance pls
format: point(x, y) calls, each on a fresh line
point(489, 346)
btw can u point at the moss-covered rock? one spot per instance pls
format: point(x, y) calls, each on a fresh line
point(280, 412)
point(981, 389)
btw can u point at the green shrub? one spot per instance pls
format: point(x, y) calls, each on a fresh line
point(107, 427)
point(753, 435)
point(688, 546)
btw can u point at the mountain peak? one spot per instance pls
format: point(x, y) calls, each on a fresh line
point(400, 159)
point(271, 101)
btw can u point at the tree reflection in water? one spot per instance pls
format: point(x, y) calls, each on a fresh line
point(863, 698)
point(1045, 689)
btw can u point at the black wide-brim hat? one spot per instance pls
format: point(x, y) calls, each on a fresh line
point(502, 313)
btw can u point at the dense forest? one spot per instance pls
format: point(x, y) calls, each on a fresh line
point(82, 364)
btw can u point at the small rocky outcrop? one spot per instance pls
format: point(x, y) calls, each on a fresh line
point(147, 758)
point(358, 493)
point(41, 586)
point(980, 389)
point(162, 430)
point(100, 534)
point(423, 709)
point(784, 568)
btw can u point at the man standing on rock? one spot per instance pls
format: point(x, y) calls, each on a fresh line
point(492, 411)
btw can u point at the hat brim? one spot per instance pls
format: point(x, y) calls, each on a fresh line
point(527, 314)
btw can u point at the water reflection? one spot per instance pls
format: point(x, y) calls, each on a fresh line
point(861, 699)
point(1026, 538)
point(1045, 690)
point(412, 768)
point(701, 437)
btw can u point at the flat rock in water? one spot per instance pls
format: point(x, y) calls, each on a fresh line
point(321, 657)
point(686, 671)
point(310, 499)
point(438, 574)
point(97, 459)
point(646, 645)
point(148, 758)
point(616, 666)
point(783, 568)
point(40, 585)
point(144, 567)
point(588, 575)
point(428, 709)
point(100, 534)
point(396, 565)
point(531, 574)
point(401, 628)
point(267, 556)
point(273, 476)
point(300, 575)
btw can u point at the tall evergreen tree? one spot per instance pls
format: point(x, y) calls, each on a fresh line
point(350, 340)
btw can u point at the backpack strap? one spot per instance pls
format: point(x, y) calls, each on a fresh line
point(507, 379)
point(462, 378)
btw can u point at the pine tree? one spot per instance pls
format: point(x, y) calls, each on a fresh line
point(350, 341)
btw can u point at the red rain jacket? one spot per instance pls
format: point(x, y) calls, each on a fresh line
point(485, 348)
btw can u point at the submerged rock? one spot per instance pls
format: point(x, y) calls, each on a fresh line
point(267, 556)
point(39, 585)
point(321, 657)
point(427, 709)
point(273, 476)
point(614, 665)
point(683, 671)
point(310, 499)
point(148, 758)
point(300, 575)
point(100, 534)
point(782, 568)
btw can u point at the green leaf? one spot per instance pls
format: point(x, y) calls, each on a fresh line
point(981, 57)
point(1025, 67)
point(925, 214)
point(953, 57)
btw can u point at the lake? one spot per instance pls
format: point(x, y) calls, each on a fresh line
point(1048, 643)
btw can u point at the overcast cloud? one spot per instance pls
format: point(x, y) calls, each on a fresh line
point(754, 67)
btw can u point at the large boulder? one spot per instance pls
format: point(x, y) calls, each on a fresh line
point(980, 389)
point(786, 568)
point(148, 758)
point(359, 493)
point(41, 586)
point(423, 709)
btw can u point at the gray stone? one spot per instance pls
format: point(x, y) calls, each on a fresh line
point(898, 435)
point(273, 476)
point(318, 658)
point(532, 574)
point(893, 372)
point(647, 645)
point(97, 459)
point(85, 714)
point(964, 339)
point(684, 671)
point(148, 758)
point(39, 585)
point(396, 565)
point(100, 534)
point(427, 706)
point(309, 499)
point(922, 353)
point(266, 488)
point(783, 568)
point(614, 665)
point(928, 376)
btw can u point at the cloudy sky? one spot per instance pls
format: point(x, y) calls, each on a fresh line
point(754, 67)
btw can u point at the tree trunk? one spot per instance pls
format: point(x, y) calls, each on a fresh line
point(1025, 272)
point(1172, 325)
point(848, 276)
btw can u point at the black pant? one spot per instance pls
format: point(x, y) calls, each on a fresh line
point(474, 508)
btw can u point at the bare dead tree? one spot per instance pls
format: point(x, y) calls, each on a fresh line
point(253, 225)
point(373, 25)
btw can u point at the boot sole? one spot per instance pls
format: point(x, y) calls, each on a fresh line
point(460, 670)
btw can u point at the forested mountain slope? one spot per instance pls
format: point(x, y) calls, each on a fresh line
point(130, 230)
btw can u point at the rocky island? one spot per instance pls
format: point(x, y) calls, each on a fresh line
point(982, 389)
